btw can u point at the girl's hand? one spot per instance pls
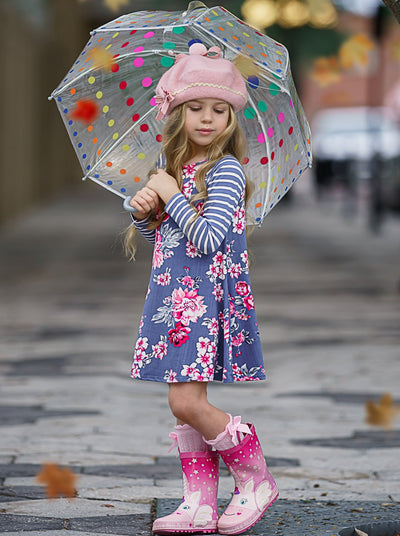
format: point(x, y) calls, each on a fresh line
point(144, 202)
point(163, 184)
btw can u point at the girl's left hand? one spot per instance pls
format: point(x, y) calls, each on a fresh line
point(163, 184)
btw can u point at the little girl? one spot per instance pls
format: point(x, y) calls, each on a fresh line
point(199, 323)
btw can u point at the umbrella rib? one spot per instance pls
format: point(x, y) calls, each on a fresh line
point(106, 153)
point(103, 185)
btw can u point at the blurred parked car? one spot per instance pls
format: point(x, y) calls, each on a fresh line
point(357, 144)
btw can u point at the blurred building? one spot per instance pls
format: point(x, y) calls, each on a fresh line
point(38, 41)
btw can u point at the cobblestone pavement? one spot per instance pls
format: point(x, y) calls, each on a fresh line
point(327, 298)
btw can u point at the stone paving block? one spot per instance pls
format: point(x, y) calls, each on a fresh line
point(125, 525)
point(306, 518)
point(10, 492)
point(362, 439)
point(51, 533)
point(83, 457)
point(70, 508)
point(339, 397)
point(10, 415)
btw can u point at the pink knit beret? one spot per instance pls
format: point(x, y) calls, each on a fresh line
point(198, 75)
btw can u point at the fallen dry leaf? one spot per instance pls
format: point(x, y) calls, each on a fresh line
point(102, 59)
point(60, 482)
point(360, 532)
point(382, 413)
point(246, 67)
point(86, 110)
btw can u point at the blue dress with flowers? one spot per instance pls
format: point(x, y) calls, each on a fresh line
point(199, 322)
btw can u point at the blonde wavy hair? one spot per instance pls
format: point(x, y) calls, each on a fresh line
point(178, 149)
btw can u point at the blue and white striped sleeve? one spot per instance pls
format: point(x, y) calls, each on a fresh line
point(224, 188)
point(141, 226)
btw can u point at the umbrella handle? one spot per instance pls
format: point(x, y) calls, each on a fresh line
point(127, 206)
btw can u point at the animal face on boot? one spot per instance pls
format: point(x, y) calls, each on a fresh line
point(246, 497)
point(200, 514)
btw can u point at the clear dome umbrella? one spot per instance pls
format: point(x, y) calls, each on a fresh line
point(107, 100)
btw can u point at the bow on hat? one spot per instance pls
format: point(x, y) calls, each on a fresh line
point(163, 100)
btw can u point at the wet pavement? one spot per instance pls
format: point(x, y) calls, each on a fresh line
point(328, 305)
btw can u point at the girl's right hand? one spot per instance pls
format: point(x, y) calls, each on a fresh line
point(144, 202)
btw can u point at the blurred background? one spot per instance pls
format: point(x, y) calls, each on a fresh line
point(345, 54)
point(345, 57)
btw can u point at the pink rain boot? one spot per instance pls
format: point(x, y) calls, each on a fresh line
point(200, 466)
point(255, 489)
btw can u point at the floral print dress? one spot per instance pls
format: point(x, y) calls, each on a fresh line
point(199, 321)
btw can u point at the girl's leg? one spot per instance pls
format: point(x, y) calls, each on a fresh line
point(200, 464)
point(189, 404)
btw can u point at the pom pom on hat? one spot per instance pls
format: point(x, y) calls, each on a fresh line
point(198, 75)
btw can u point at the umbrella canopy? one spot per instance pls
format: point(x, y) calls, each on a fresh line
point(108, 106)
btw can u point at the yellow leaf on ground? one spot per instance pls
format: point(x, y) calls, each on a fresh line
point(382, 413)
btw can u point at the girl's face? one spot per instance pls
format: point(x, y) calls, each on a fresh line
point(205, 120)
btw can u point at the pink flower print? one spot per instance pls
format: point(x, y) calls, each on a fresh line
point(163, 279)
point(170, 376)
point(187, 306)
point(192, 251)
point(199, 376)
point(245, 258)
point(249, 302)
point(231, 308)
point(188, 281)
point(141, 345)
point(239, 221)
point(213, 327)
point(205, 347)
point(190, 170)
point(189, 370)
point(235, 270)
point(160, 349)
point(241, 315)
point(242, 288)
point(217, 269)
point(158, 257)
point(179, 334)
point(219, 258)
point(135, 371)
point(238, 339)
point(218, 292)
point(204, 360)
point(209, 372)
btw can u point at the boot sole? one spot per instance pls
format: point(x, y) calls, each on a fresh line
point(234, 531)
point(183, 531)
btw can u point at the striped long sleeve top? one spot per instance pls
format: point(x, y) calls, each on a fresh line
point(225, 186)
